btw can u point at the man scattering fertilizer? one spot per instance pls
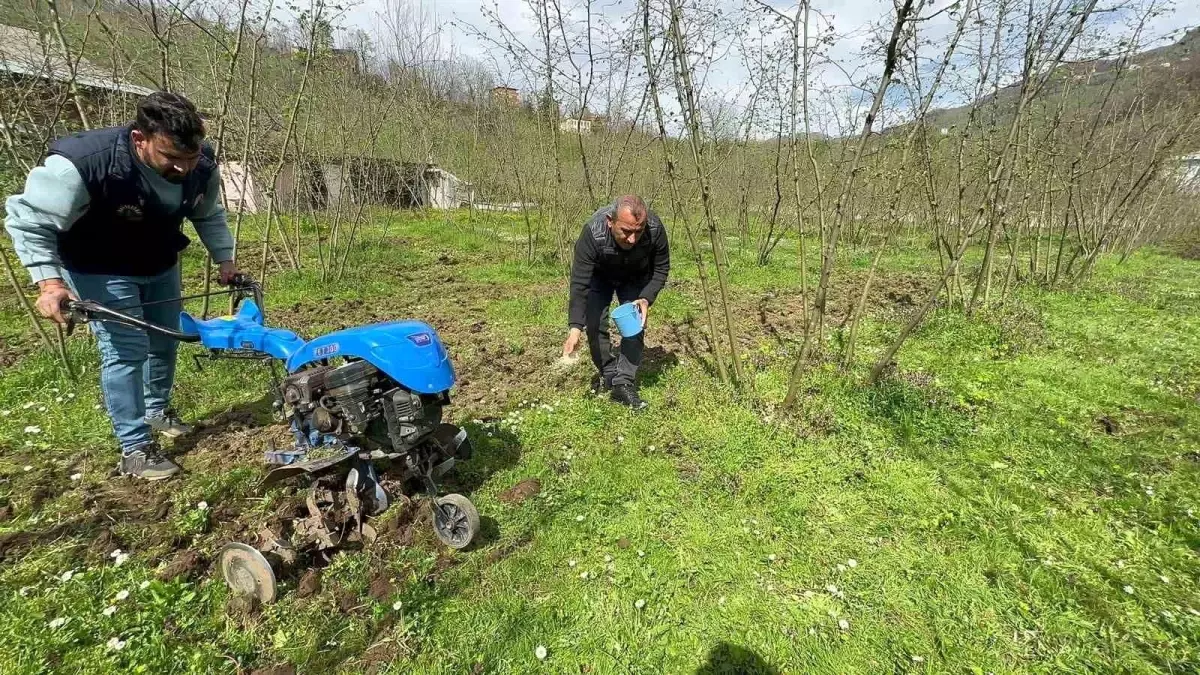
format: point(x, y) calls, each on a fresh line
point(622, 250)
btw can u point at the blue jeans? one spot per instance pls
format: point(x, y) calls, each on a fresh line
point(137, 369)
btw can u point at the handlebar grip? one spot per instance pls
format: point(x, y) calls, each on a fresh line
point(72, 310)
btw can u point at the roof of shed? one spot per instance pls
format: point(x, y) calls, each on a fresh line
point(21, 52)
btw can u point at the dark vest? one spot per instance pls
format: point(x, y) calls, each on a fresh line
point(125, 230)
point(615, 264)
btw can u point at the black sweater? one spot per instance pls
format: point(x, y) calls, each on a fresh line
point(597, 257)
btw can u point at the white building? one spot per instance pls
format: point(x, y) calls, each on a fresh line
point(1189, 172)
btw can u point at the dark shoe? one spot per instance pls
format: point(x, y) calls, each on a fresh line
point(601, 384)
point(168, 424)
point(627, 395)
point(146, 462)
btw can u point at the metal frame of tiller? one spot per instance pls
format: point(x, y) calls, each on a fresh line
point(246, 567)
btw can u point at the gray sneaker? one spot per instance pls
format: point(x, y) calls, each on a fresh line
point(168, 424)
point(146, 462)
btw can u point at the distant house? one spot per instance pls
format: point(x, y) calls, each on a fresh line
point(506, 96)
point(581, 124)
point(1189, 172)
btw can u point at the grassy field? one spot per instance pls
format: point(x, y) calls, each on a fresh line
point(1020, 496)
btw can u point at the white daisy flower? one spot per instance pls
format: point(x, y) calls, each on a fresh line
point(540, 653)
point(203, 506)
point(58, 623)
point(27, 468)
point(121, 559)
point(570, 563)
point(110, 610)
point(144, 585)
point(843, 624)
point(1129, 590)
point(579, 518)
point(67, 576)
point(397, 605)
point(640, 604)
point(121, 595)
point(115, 644)
point(76, 476)
point(852, 563)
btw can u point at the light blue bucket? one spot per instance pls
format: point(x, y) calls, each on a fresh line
point(628, 319)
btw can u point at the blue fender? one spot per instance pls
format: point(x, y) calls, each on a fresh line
point(410, 352)
point(244, 330)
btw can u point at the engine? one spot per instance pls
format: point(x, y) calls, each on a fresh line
point(357, 400)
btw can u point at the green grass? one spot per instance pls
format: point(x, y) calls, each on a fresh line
point(970, 514)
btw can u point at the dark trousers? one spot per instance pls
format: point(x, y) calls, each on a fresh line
point(621, 369)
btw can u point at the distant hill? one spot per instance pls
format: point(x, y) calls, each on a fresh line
point(1165, 74)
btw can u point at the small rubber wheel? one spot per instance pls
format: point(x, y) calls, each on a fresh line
point(247, 572)
point(459, 523)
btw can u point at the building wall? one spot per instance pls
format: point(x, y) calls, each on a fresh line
point(1189, 173)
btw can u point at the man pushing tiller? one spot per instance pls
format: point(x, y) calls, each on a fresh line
point(101, 220)
point(623, 249)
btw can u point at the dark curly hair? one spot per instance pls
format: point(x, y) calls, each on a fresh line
point(168, 113)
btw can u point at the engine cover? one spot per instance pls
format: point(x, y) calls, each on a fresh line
point(303, 389)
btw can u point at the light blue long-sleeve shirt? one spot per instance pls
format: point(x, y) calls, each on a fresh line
point(55, 197)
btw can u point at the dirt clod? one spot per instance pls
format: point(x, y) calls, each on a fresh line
point(103, 544)
point(380, 589)
point(310, 584)
point(521, 492)
point(186, 565)
point(242, 606)
point(379, 655)
point(397, 517)
point(163, 510)
point(346, 601)
point(5, 514)
point(623, 543)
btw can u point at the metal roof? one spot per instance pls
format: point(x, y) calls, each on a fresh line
point(22, 53)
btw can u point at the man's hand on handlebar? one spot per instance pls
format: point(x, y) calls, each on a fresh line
point(53, 299)
point(227, 273)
